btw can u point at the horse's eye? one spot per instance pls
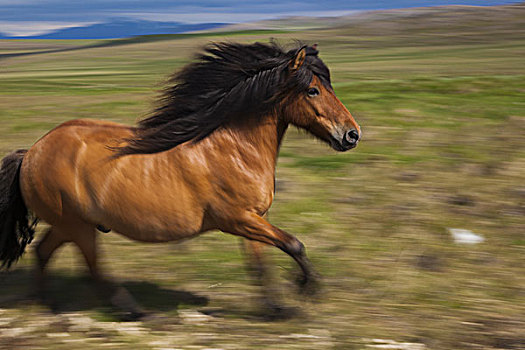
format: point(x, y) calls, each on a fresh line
point(312, 92)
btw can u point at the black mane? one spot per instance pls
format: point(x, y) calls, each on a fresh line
point(227, 81)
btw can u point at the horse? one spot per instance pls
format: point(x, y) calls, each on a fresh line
point(203, 160)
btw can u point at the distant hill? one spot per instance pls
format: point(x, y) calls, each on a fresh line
point(120, 28)
point(379, 21)
point(469, 23)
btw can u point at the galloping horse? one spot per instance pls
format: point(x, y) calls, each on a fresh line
point(203, 160)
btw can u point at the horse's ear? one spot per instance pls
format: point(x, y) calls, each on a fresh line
point(298, 60)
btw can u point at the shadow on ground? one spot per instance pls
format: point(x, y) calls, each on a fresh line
point(78, 293)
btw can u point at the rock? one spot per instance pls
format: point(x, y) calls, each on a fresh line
point(462, 236)
point(194, 317)
point(57, 335)
point(392, 344)
point(13, 332)
point(127, 328)
point(300, 336)
point(80, 323)
point(4, 321)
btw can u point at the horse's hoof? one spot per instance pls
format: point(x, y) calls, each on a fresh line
point(130, 316)
point(309, 285)
point(276, 312)
point(126, 307)
point(44, 299)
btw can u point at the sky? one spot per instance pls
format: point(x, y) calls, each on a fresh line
point(31, 17)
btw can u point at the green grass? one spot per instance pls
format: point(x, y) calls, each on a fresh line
point(443, 118)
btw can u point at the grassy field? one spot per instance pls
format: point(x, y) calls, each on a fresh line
point(443, 118)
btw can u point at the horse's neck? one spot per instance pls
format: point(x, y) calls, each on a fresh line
point(257, 140)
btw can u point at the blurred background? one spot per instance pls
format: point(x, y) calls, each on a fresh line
point(419, 232)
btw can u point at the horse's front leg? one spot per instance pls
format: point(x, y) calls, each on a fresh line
point(257, 265)
point(255, 228)
point(256, 262)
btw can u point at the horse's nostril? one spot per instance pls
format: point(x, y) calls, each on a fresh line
point(350, 139)
point(352, 136)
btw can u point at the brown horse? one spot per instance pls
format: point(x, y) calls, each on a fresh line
point(203, 160)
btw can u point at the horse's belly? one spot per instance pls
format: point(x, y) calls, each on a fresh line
point(154, 221)
point(145, 206)
point(147, 233)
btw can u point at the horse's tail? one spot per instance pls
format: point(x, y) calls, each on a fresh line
point(16, 231)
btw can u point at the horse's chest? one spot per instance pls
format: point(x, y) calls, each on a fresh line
point(250, 192)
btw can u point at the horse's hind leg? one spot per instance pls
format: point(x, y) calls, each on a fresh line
point(85, 238)
point(51, 241)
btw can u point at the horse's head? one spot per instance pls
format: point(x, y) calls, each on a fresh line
point(314, 106)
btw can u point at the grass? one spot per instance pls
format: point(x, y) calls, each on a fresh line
point(443, 118)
